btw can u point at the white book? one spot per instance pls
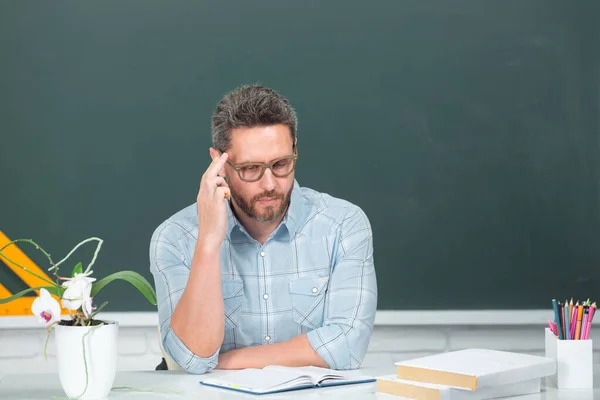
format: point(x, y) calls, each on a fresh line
point(274, 379)
point(428, 391)
point(475, 368)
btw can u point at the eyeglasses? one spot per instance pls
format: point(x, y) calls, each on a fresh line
point(252, 172)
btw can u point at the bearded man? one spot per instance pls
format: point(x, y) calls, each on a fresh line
point(260, 271)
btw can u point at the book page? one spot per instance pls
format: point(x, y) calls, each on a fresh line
point(500, 391)
point(259, 380)
point(317, 374)
point(476, 362)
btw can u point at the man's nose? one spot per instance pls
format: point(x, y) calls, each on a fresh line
point(268, 180)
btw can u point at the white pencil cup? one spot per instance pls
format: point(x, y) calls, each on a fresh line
point(574, 362)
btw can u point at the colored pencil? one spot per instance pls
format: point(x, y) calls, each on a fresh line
point(562, 320)
point(551, 325)
point(557, 317)
point(584, 321)
point(574, 319)
point(592, 311)
point(571, 307)
point(567, 325)
point(578, 327)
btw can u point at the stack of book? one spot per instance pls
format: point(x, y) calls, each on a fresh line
point(471, 374)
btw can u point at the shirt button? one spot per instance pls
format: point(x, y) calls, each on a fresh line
point(267, 338)
point(314, 290)
point(262, 253)
point(265, 296)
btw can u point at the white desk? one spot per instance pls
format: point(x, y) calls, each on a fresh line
point(44, 386)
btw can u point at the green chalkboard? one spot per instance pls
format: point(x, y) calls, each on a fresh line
point(468, 131)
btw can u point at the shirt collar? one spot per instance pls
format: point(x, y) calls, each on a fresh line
point(292, 220)
point(296, 213)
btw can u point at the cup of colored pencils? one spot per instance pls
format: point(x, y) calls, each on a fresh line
point(572, 321)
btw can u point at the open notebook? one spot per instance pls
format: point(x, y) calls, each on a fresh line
point(274, 378)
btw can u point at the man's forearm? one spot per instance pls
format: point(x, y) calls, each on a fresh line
point(198, 318)
point(295, 352)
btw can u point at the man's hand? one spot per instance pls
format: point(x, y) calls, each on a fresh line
point(212, 214)
point(295, 352)
point(198, 317)
point(225, 360)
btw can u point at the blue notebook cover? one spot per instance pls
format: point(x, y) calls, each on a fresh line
point(276, 379)
point(339, 383)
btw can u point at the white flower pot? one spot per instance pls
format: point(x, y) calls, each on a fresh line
point(100, 357)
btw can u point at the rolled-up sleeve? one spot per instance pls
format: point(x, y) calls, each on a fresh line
point(351, 300)
point(171, 270)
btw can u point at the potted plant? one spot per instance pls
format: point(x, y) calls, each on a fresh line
point(86, 347)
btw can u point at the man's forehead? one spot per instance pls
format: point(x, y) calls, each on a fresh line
point(260, 144)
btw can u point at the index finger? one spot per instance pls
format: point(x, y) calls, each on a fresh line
point(216, 165)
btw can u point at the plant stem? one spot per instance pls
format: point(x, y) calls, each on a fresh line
point(146, 390)
point(37, 246)
point(100, 241)
point(29, 271)
point(49, 329)
point(85, 359)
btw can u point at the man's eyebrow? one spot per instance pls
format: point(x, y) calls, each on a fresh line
point(259, 162)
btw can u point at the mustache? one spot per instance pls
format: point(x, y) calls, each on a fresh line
point(271, 194)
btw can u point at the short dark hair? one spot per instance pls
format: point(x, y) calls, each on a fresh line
point(250, 106)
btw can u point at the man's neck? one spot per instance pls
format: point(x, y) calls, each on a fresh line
point(259, 231)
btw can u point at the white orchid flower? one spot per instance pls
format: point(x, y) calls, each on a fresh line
point(87, 307)
point(46, 308)
point(78, 290)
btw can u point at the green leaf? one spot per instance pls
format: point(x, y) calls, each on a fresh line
point(78, 269)
point(55, 290)
point(132, 277)
point(97, 310)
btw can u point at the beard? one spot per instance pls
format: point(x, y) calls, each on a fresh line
point(268, 214)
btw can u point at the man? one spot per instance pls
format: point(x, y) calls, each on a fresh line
point(260, 271)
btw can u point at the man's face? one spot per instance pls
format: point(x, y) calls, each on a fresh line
point(267, 199)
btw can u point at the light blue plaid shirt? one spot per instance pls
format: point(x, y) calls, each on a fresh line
point(315, 274)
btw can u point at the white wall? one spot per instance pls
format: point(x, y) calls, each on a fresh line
point(21, 344)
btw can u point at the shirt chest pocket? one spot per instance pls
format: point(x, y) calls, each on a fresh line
point(233, 296)
point(308, 300)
